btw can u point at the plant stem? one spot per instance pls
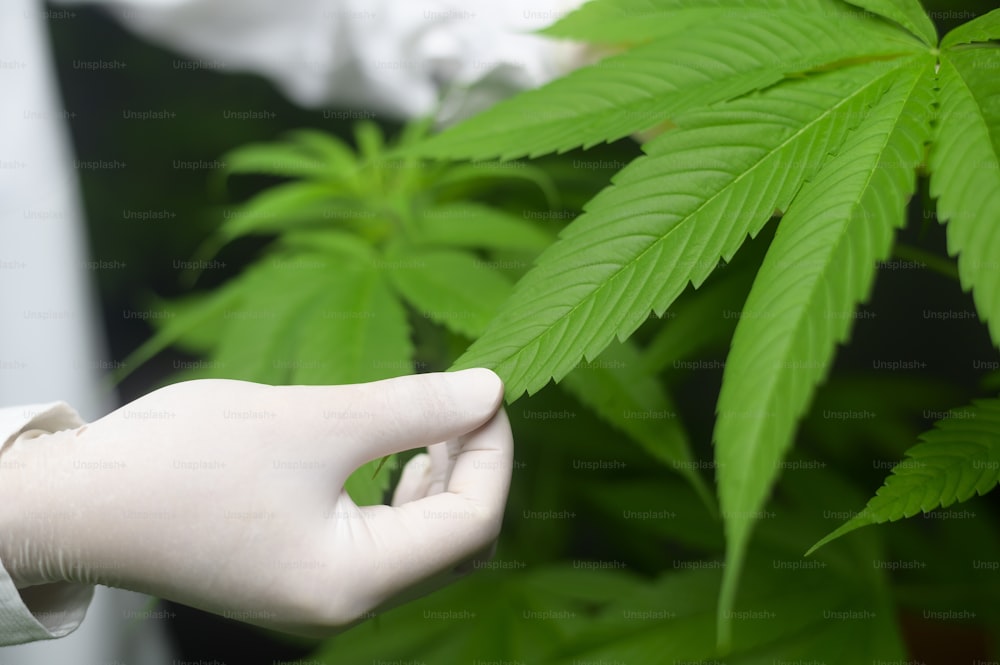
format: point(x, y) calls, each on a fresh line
point(940, 265)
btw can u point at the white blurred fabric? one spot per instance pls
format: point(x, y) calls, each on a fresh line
point(392, 56)
point(400, 58)
point(50, 346)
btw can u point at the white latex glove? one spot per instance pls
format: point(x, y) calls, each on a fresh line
point(228, 496)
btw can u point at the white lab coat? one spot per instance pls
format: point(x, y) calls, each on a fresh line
point(394, 57)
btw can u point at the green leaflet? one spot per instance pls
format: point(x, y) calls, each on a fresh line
point(471, 225)
point(667, 220)
point(296, 268)
point(610, 23)
point(621, 389)
point(355, 333)
point(982, 29)
point(908, 13)
point(255, 340)
point(450, 287)
point(638, 21)
point(334, 152)
point(286, 207)
point(286, 160)
point(370, 140)
point(652, 83)
point(467, 178)
point(965, 173)
point(819, 266)
point(956, 460)
point(336, 245)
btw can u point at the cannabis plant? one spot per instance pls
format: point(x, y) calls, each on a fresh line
point(820, 113)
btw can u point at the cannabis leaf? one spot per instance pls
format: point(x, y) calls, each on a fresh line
point(668, 219)
point(453, 288)
point(808, 110)
point(956, 460)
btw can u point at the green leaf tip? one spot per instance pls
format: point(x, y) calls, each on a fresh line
point(956, 460)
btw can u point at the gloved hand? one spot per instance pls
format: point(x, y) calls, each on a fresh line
point(228, 496)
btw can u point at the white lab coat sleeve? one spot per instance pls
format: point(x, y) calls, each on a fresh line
point(391, 57)
point(52, 610)
point(51, 346)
